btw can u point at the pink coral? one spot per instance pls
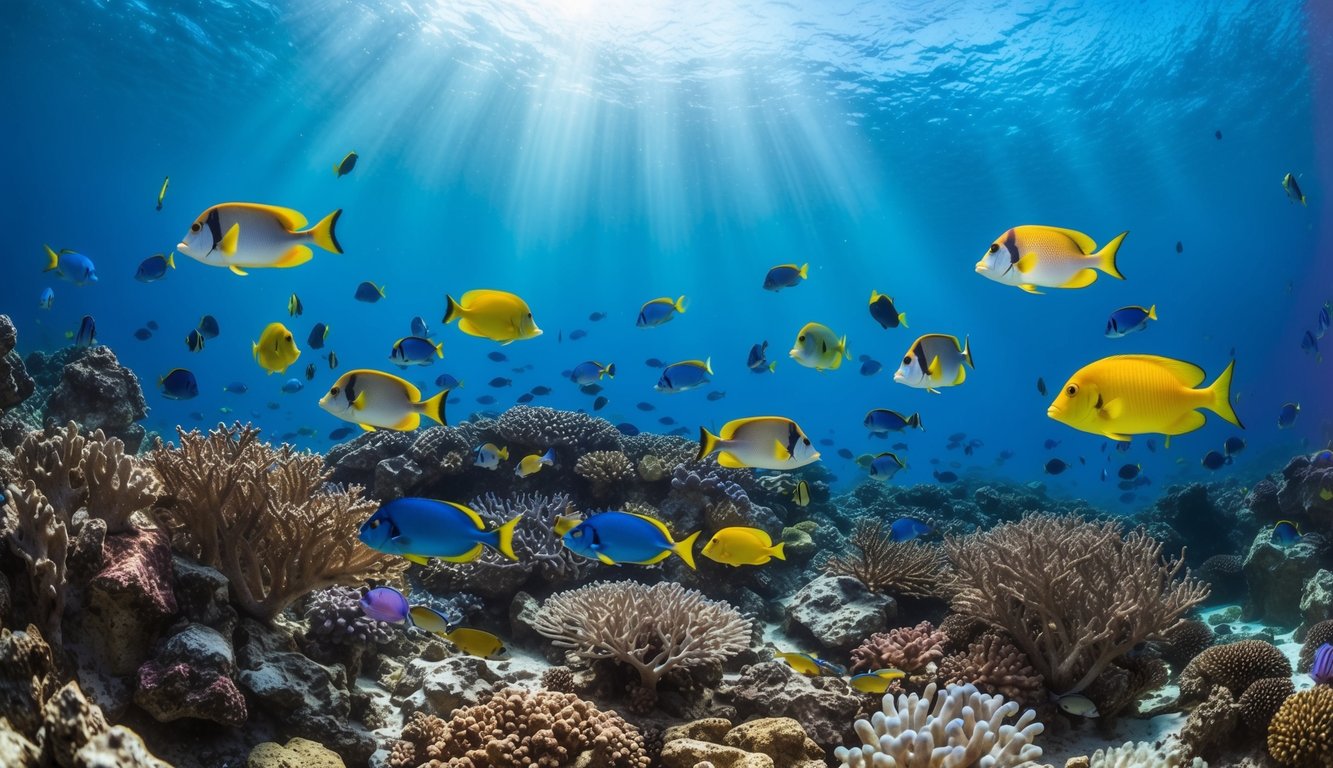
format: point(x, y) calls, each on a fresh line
point(910, 649)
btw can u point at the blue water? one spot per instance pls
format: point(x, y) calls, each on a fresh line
point(590, 156)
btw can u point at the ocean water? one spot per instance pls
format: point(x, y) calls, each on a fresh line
point(590, 156)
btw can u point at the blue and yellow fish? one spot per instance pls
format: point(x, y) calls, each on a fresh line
point(613, 538)
point(418, 528)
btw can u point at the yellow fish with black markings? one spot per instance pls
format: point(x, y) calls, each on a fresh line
point(473, 642)
point(242, 236)
point(495, 315)
point(1035, 256)
point(374, 399)
point(758, 442)
point(276, 349)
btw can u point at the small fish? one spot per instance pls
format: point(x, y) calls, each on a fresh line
point(418, 529)
point(1033, 256)
point(1233, 445)
point(419, 328)
point(494, 315)
point(332, 357)
point(473, 642)
point(1321, 671)
point(236, 388)
point(152, 325)
point(340, 433)
point(1076, 704)
point(1127, 320)
point(909, 528)
point(653, 362)
point(884, 312)
point(622, 537)
point(1310, 346)
point(818, 347)
point(898, 446)
point(591, 372)
point(845, 453)
point(374, 399)
point(47, 299)
point(486, 400)
point(801, 496)
point(1214, 460)
point(597, 317)
point(885, 466)
point(195, 341)
point(807, 664)
point(155, 267)
point(1287, 415)
point(310, 372)
point(666, 420)
point(489, 456)
point(292, 386)
point(541, 390)
point(143, 334)
point(251, 235)
point(1285, 533)
point(162, 193)
point(871, 367)
point(345, 165)
point(1130, 471)
point(737, 546)
point(415, 350)
point(318, 335)
point(882, 421)
point(276, 349)
point(876, 682)
point(756, 362)
point(368, 292)
point(625, 428)
point(1055, 467)
point(294, 306)
point(946, 476)
point(72, 266)
point(208, 326)
point(1050, 443)
point(497, 356)
point(577, 334)
point(760, 442)
point(599, 403)
point(385, 604)
point(179, 384)
point(500, 382)
point(86, 336)
point(525, 398)
point(532, 463)
point(715, 395)
point(1293, 189)
point(684, 376)
point(1217, 135)
point(935, 360)
point(785, 276)
point(1180, 246)
point(1041, 386)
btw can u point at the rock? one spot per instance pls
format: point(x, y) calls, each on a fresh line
point(689, 753)
point(797, 543)
point(97, 392)
point(16, 751)
point(825, 706)
point(1317, 599)
point(440, 687)
point(522, 613)
point(1277, 576)
point(839, 611)
point(119, 747)
point(1083, 761)
point(298, 753)
point(130, 599)
point(202, 595)
point(15, 383)
point(192, 677)
point(781, 738)
point(70, 722)
point(711, 729)
point(27, 679)
point(86, 545)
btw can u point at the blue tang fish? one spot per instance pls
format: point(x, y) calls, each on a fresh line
point(418, 529)
point(317, 336)
point(1285, 533)
point(622, 537)
point(785, 276)
point(208, 327)
point(74, 267)
point(48, 298)
point(1127, 320)
point(908, 528)
point(447, 381)
point(679, 377)
point(179, 384)
point(419, 327)
point(369, 292)
point(155, 267)
point(882, 421)
point(1287, 416)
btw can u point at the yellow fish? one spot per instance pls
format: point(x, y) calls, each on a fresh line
point(240, 235)
point(473, 642)
point(373, 399)
point(818, 347)
point(276, 349)
point(877, 681)
point(1033, 256)
point(810, 665)
point(1126, 395)
point(742, 546)
point(493, 315)
point(533, 463)
point(759, 442)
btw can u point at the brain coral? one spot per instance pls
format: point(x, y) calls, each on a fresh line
point(1301, 733)
point(1234, 666)
point(1261, 701)
point(1318, 635)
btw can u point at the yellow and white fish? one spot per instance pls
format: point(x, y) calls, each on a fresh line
point(818, 347)
point(533, 463)
point(1033, 256)
point(374, 399)
point(761, 442)
point(494, 315)
point(276, 349)
point(252, 235)
point(489, 456)
point(935, 360)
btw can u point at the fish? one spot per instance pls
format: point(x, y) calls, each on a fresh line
point(883, 311)
point(418, 529)
point(486, 400)
point(318, 335)
point(591, 372)
point(1127, 320)
point(143, 334)
point(86, 336)
point(1076, 704)
point(1050, 443)
point(340, 433)
point(497, 356)
point(801, 496)
point(737, 546)
point(155, 267)
point(294, 306)
point(47, 299)
point(292, 386)
point(500, 382)
point(532, 463)
point(415, 350)
point(755, 360)
point(1286, 416)
point(208, 327)
point(178, 384)
point(597, 317)
point(385, 604)
point(1056, 466)
point(684, 376)
point(1321, 670)
point(577, 334)
point(1285, 533)
point(871, 367)
point(666, 420)
point(152, 325)
point(715, 395)
point(845, 453)
point(882, 421)
point(658, 311)
point(276, 349)
point(345, 165)
point(1233, 445)
point(70, 265)
point(885, 465)
point(374, 399)
point(419, 328)
point(195, 341)
point(935, 360)
point(946, 476)
point(613, 538)
point(162, 193)
point(1035, 256)
point(1129, 471)
point(494, 315)
point(653, 362)
point(1310, 345)
point(876, 682)
point(489, 456)
point(599, 403)
point(909, 528)
point(473, 642)
point(332, 357)
point(310, 372)
point(368, 292)
point(759, 442)
point(236, 388)
point(541, 390)
point(1214, 460)
point(818, 347)
point(785, 276)
point(1125, 395)
point(625, 428)
point(1293, 189)
point(808, 664)
point(241, 236)
point(1180, 246)
point(1041, 386)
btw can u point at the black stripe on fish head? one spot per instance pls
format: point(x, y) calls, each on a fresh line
point(793, 434)
point(350, 391)
point(1011, 245)
point(214, 228)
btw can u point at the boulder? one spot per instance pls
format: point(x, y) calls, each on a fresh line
point(839, 612)
point(97, 392)
point(298, 753)
point(1317, 599)
point(192, 676)
point(1277, 577)
point(825, 706)
point(689, 753)
point(15, 383)
point(130, 600)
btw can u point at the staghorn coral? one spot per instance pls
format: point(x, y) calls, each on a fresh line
point(1234, 665)
point(1072, 594)
point(1143, 755)
point(898, 567)
point(960, 727)
point(1261, 701)
point(1301, 734)
point(549, 428)
point(911, 649)
point(38, 537)
point(1317, 635)
point(653, 629)
point(995, 665)
point(521, 728)
point(1184, 641)
point(263, 517)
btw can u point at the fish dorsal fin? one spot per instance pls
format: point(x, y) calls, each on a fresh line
point(228, 244)
point(292, 220)
point(1027, 263)
point(1188, 374)
point(470, 514)
point(1085, 244)
point(761, 536)
point(730, 429)
point(658, 524)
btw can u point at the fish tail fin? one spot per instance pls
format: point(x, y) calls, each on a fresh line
point(773, 366)
point(434, 408)
point(967, 352)
point(171, 259)
point(915, 421)
point(323, 235)
point(503, 453)
point(708, 365)
point(778, 550)
point(1220, 396)
point(504, 538)
point(1152, 312)
point(452, 310)
point(874, 295)
point(685, 549)
point(439, 349)
point(707, 443)
point(254, 349)
point(1106, 256)
point(610, 370)
point(805, 270)
point(549, 457)
point(902, 319)
point(52, 259)
point(680, 304)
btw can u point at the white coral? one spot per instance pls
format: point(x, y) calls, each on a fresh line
point(961, 728)
point(1143, 755)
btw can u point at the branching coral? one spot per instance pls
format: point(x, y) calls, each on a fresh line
point(1301, 734)
point(1143, 755)
point(263, 517)
point(38, 537)
point(653, 629)
point(911, 649)
point(522, 728)
point(959, 727)
point(1234, 665)
point(1072, 594)
point(995, 665)
point(897, 567)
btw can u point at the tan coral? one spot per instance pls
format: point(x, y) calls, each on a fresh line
point(93, 472)
point(1143, 755)
point(652, 468)
point(604, 468)
point(1316, 636)
point(38, 537)
point(1210, 730)
point(1183, 642)
point(900, 568)
point(911, 649)
point(1301, 734)
point(1234, 665)
point(995, 665)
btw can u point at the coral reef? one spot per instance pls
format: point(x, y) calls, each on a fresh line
point(1187, 639)
point(98, 393)
point(1234, 665)
point(823, 705)
point(1261, 701)
point(1143, 755)
point(995, 665)
point(1317, 635)
point(1295, 493)
point(1277, 577)
point(540, 426)
point(773, 742)
point(1301, 733)
point(40, 540)
point(1211, 731)
point(911, 649)
point(899, 568)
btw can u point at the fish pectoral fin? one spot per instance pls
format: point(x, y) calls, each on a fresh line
point(228, 244)
point(934, 368)
point(1032, 289)
point(360, 402)
point(408, 423)
point(1027, 263)
point(237, 270)
point(1081, 279)
point(780, 451)
point(1112, 409)
point(295, 256)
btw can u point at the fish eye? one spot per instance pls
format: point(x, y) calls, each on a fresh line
point(374, 524)
point(288, 337)
point(907, 360)
point(801, 337)
point(194, 227)
point(805, 441)
point(994, 247)
point(333, 391)
point(1071, 390)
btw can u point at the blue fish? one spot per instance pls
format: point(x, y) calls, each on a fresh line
point(1321, 324)
point(143, 334)
point(756, 360)
point(195, 341)
point(369, 292)
point(418, 529)
point(179, 384)
point(882, 421)
point(74, 267)
point(317, 336)
point(1233, 445)
point(87, 333)
point(658, 311)
point(340, 433)
point(155, 267)
point(1127, 320)
point(419, 327)
point(1322, 668)
point(415, 350)
point(590, 372)
point(1311, 347)
point(47, 299)
point(679, 377)
point(1285, 533)
point(908, 528)
point(236, 388)
point(627, 429)
point(292, 386)
point(885, 466)
point(622, 537)
point(785, 276)
point(871, 367)
point(1287, 416)
point(208, 327)
point(447, 381)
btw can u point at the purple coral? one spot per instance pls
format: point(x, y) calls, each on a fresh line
point(335, 618)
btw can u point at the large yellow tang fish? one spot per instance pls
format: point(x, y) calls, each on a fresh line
point(1033, 256)
point(241, 235)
